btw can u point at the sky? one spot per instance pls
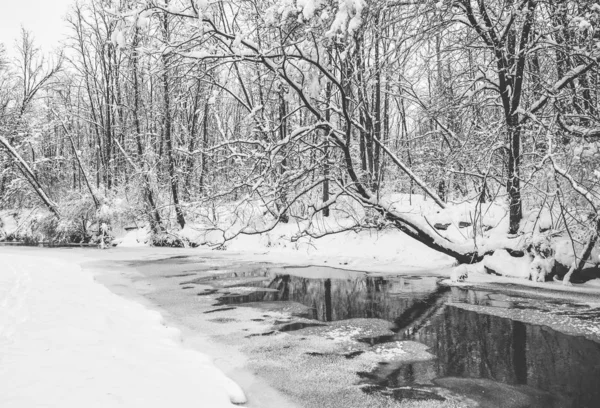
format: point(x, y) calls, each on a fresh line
point(44, 18)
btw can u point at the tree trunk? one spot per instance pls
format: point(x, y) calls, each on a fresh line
point(154, 215)
point(513, 184)
point(167, 124)
point(326, 169)
point(577, 266)
point(375, 148)
point(78, 160)
point(204, 145)
point(281, 203)
point(28, 173)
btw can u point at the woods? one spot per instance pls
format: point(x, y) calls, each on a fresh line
point(205, 120)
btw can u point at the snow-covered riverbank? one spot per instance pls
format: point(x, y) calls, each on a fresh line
point(67, 341)
point(91, 331)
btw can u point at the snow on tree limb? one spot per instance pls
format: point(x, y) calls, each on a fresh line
point(579, 131)
point(558, 86)
point(584, 192)
point(30, 176)
point(412, 175)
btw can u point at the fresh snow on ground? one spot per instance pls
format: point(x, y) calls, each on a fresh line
point(67, 341)
point(134, 238)
point(509, 265)
point(382, 251)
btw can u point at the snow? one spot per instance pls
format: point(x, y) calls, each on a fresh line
point(202, 4)
point(348, 17)
point(389, 250)
point(308, 7)
point(198, 54)
point(135, 238)
point(364, 250)
point(540, 268)
point(459, 274)
point(142, 362)
point(389, 351)
point(325, 273)
point(564, 254)
point(368, 250)
point(344, 334)
point(8, 224)
point(502, 263)
point(67, 341)
point(143, 20)
point(118, 39)
point(594, 283)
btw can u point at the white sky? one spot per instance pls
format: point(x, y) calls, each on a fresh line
point(44, 18)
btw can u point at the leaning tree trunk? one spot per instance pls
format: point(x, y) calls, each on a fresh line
point(79, 164)
point(30, 176)
point(578, 265)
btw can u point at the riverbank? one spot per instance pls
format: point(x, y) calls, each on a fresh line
point(67, 341)
point(308, 350)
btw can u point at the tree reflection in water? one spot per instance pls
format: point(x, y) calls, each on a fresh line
point(466, 344)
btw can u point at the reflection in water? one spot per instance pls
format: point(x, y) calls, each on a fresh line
point(297, 326)
point(466, 344)
point(474, 345)
point(402, 299)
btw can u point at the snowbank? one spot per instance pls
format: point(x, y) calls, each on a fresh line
point(381, 247)
point(67, 341)
point(366, 250)
point(137, 237)
point(503, 264)
point(382, 244)
point(564, 254)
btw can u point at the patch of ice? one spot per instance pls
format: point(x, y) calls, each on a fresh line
point(390, 351)
point(343, 334)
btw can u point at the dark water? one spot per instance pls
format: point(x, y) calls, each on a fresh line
point(496, 361)
point(468, 344)
point(47, 244)
point(485, 356)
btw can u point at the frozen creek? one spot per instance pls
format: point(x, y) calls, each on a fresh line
point(295, 336)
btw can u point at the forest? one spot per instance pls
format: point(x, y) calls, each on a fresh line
point(471, 126)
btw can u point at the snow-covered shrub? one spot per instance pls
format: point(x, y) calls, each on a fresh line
point(39, 225)
point(79, 222)
point(167, 239)
point(460, 273)
point(77, 217)
point(541, 254)
point(541, 268)
point(112, 217)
